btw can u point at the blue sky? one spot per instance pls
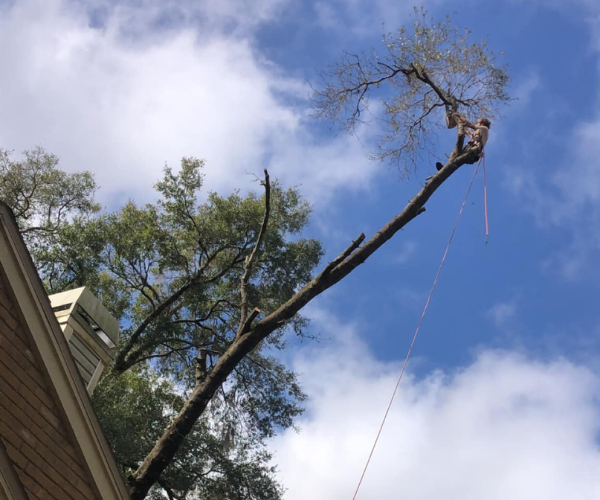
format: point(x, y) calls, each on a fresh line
point(501, 397)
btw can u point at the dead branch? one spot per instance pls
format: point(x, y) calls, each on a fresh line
point(252, 258)
point(341, 257)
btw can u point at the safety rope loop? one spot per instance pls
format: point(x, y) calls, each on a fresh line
point(416, 334)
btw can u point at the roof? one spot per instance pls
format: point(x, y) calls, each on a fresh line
point(46, 337)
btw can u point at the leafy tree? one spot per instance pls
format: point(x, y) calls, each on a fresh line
point(171, 273)
point(181, 275)
point(421, 72)
point(134, 409)
point(205, 290)
point(43, 197)
point(432, 67)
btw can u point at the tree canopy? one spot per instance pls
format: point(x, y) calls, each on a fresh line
point(171, 272)
point(206, 287)
point(421, 72)
point(215, 461)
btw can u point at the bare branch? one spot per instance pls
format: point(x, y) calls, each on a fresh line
point(424, 77)
point(252, 257)
point(166, 447)
point(342, 257)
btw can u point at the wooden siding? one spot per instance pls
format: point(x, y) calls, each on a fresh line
point(31, 426)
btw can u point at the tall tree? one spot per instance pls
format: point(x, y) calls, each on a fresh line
point(204, 290)
point(171, 273)
point(182, 276)
point(430, 66)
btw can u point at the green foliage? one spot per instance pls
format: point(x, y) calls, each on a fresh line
point(422, 71)
point(188, 255)
point(43, 197)
point(203, 246)
point(134, 409)
point(171, 273)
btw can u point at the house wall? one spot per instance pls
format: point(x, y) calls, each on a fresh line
point(31, 426)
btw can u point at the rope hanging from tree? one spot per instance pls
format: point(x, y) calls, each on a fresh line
point(416, 334)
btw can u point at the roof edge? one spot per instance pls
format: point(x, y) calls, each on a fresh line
point(48, 337)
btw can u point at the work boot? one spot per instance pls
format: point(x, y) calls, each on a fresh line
point(439, 165)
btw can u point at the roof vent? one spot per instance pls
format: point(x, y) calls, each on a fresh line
point(91, 331)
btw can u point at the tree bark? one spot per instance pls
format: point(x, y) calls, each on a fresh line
point(165, 449)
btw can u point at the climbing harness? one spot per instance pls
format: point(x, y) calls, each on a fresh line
point(414, 339)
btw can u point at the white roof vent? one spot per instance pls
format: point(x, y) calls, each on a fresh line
point(91, 331)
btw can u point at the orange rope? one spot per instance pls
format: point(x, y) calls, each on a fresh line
point(485, 210)
point(414, 339)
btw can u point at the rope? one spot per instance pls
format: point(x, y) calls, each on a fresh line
point(485, 210)
point(414, 339)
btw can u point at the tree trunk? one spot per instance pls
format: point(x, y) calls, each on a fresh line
point(164, 450)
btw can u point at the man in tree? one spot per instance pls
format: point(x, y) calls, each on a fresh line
point(477, 139)
point(481, 133)
point(423, 70)
point(223, 280)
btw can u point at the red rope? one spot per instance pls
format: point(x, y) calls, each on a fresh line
point(485, 210)
point(414, 339)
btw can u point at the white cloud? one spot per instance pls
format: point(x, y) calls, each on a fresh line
point(363, 18)
point(406, 253)
point(568, 198)
point(526, 87)
point(566, 194)
point(501, 313)
point(505, 426)
point(123, 98)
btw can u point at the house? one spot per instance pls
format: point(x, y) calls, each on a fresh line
point(51, 444)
